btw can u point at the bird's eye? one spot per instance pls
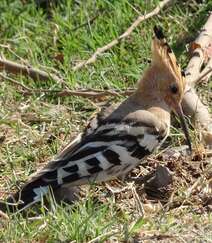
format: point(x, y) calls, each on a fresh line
point(174, 88)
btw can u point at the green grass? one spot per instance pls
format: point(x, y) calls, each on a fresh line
point(36, 127)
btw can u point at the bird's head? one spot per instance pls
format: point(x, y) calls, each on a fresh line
point(170, 79)
point(165, 78)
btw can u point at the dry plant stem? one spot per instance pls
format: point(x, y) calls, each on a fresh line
point(107, 234)
point(16, 83)
point(34, 73)
point(114, 42)
point(86, 93)
point(205, 74)
point(82, 93)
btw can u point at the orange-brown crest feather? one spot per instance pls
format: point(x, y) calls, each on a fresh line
point(162, 54)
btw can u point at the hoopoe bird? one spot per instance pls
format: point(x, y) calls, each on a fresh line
point(113, 144)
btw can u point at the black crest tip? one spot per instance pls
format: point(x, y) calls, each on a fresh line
point(159, 32)
point(183, 73)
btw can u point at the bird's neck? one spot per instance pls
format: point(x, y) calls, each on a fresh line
point(149, 97)
point(152, 102)
point(146, 97)
point(138, 102)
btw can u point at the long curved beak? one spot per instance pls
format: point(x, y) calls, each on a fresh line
point(179, 111)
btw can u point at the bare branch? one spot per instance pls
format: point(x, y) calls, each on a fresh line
point(114, 42)
point(34, 73)
point(198, 48)
point(192, 105)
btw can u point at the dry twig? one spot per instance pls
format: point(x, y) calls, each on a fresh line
point(114, 42)
point(86, 93)
point(34, 73)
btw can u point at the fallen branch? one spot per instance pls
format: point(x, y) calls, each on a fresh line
point(195, 72)
point(28, 71)
point(199, 52)
point(114, 42)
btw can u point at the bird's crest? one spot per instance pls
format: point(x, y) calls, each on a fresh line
point(163, 55)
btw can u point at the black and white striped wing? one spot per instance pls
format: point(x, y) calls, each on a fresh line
point(112, 150)
point(96, 121)
point(92, 125)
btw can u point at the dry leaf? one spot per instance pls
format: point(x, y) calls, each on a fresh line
point(59, 57)
point(194, 46)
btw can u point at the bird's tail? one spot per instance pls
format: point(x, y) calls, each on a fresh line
point(32, 192)
point(41, 183)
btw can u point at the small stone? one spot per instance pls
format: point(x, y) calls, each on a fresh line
point(161, 178)
point(159, 184)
